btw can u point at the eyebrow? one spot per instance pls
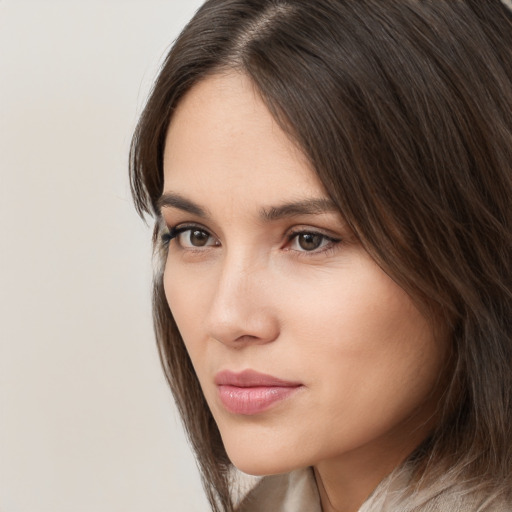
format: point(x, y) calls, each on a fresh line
point(313, 206)
point(181, 203)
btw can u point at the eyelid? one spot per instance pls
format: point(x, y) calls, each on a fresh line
point(327, 235)
point(174, 231)
point(299, 230)
point(333, 240)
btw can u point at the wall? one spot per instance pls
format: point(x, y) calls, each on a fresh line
point(87, 423)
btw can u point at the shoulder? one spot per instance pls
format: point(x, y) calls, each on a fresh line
point(394, 495)
point(460, 501)
point(290, 492)
point(297, 492)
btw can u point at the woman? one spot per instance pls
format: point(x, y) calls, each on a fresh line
point(331, 184)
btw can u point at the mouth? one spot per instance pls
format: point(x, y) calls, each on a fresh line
point(250, 392)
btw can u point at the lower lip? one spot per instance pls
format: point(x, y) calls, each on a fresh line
point(253, 400)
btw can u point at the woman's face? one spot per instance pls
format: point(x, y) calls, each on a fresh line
point(305, 349)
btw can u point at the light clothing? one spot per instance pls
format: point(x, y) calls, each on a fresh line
point(297, 492)
point(291, 492)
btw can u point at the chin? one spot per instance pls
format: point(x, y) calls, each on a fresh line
point(260, 467)
point(265, 445)
point(257, 460)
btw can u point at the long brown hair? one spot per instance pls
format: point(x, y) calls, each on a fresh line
point(404, 109)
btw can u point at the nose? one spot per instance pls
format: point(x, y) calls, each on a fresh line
point(242, 309)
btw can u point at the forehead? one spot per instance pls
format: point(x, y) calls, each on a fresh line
point(223, 142)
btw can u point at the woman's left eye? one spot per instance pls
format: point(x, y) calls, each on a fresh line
point(306, 241)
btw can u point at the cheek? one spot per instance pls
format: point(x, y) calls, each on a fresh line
point(186, 296)
point(381, 360)
point(371, 355)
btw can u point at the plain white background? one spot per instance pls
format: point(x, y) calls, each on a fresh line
point(87, 423)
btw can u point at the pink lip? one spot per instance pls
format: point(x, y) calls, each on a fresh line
point(250, 392)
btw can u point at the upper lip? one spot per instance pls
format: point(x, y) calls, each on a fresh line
point(250, 378)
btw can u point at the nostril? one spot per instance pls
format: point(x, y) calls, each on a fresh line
point(246, 338)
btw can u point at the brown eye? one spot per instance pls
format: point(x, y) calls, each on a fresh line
point(312, 242)
point(198, 238)
point(194, 237)
point(309, 241)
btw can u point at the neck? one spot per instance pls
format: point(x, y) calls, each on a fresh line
point(342, 491)
point(345, 482)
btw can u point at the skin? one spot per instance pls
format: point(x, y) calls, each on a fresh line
point(318, 311)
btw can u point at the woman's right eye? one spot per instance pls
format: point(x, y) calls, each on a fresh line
point(190, 237)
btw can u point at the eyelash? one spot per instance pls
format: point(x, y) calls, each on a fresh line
point(174, 232)
point(332, 242)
